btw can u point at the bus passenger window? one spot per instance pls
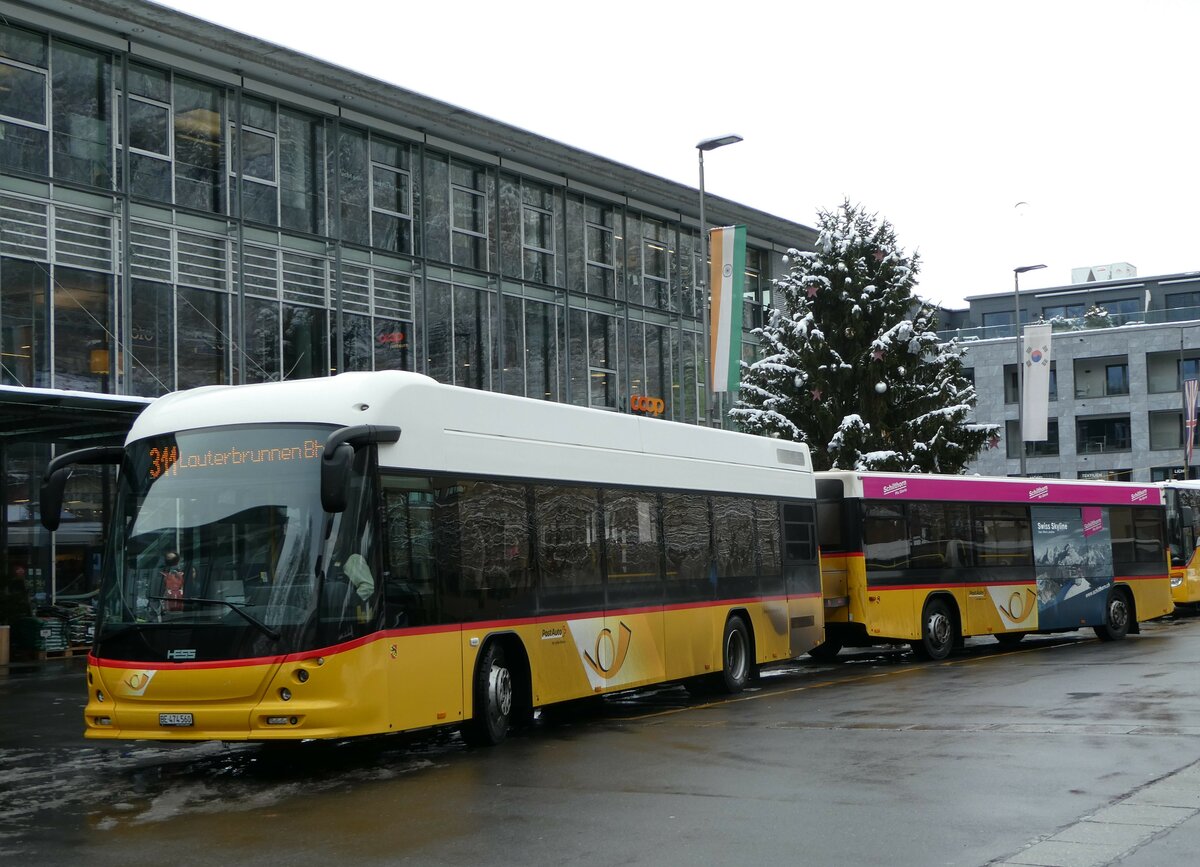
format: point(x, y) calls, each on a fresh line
point(885, 536)
point(686, 535)
point(1002, 536)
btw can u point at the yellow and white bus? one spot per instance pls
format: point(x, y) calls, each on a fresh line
point(1183, 530)
point(376, 552)
point(931, 559)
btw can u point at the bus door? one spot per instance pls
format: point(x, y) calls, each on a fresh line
point(425, 657)
point(803, 578)
point(631, 648)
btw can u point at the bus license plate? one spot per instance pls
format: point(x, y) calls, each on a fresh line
point(175, 719)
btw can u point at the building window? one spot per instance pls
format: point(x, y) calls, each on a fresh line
point(152, 338)
point(593, 359)
point(1185, 369)
point(650, 363)
point(391, 196)
point(80, 84)
point(998, 324)
point(174, 139)
point(756, 292)
point(656, 265)
point(1182, 306)
point(600, 253)
point(1116, 379)
point(537, 232)
point(532, 337)
point(468, 215)
point(1106, 475)
point(256, 151)
point(1063, 311)
point(1010, 382)
point(148, 103)
point(1124, 311)
point(1033, 448)
point(24, 123)
point(301, 152)
point(82, 330)
point(197, 140)
point(1167, 474)
point(1097, 435)
point(24, 357)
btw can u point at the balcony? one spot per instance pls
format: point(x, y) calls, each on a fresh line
point(1095, 445)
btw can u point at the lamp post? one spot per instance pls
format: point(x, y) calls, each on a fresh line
point(1017, 272)
point(709, 144)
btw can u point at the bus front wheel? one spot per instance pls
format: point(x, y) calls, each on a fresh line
point(493, 699)
point(737, 664)
point(1117, 617)
point(938, 631)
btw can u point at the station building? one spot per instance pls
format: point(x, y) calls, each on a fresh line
point(182, 205)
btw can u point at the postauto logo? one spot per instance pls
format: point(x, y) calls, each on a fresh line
point(648, 405)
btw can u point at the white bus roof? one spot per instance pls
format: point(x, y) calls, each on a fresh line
point(459, 431)
point(1029, 489)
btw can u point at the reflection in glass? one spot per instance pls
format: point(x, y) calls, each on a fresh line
point(203, 337)
point(23, 344)
point(82, 328)
point(151, 339)
point(82, 115)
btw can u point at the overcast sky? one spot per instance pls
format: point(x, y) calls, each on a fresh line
point(938, 116)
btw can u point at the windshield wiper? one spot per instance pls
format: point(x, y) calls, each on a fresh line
point(246, 615)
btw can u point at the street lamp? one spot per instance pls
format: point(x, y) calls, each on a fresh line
point(1017, 272)
point(709, 144)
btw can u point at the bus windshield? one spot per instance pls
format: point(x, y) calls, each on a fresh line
point(216, 527)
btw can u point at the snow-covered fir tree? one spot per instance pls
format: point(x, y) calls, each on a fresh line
point(851, 361)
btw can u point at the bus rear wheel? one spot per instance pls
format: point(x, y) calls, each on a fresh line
point(737, 663)
point(493, 699)
point(938, 631)
point(1117, 617)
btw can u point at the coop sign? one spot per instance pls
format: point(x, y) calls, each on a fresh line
point(648, 405)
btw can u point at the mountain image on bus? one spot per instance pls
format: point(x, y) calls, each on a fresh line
point(933, 559)
point(377, 552)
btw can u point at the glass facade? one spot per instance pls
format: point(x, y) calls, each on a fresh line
point(161, 231)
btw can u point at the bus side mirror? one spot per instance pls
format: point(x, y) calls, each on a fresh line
point(54, 479)
point(51, 497)
point(338, 457)
point(335, 476)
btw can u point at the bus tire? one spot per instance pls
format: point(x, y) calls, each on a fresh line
point(737, 660)
point(938, 631)
point(827, 650)
point(1117, 616)
point(493, 699)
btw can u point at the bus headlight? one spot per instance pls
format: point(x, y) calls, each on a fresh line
point(1176, 580)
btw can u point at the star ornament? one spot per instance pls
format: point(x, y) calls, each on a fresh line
point(993, 442)
point(877, 355)
point(812, 290)
point(816, 394)
point(878, 255)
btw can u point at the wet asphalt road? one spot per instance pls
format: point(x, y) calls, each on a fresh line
point(877, 759)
